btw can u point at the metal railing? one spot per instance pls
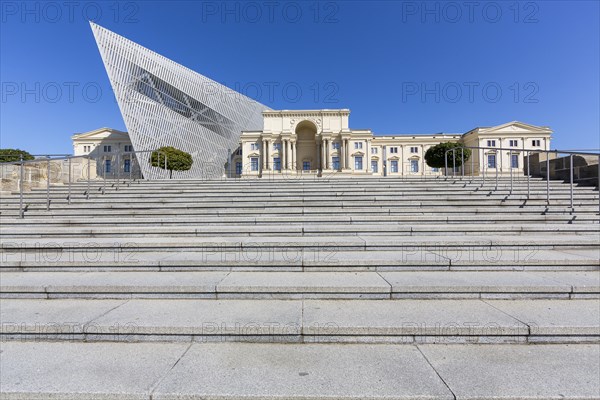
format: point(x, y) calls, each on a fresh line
point(512, 151)
point(117, 170)
point(49, 159)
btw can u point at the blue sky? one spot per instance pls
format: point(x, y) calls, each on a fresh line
point(400, 66)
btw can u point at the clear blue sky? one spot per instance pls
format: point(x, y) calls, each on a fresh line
point(399, 67)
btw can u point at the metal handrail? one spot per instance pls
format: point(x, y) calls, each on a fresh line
point(118, 166)
point(66, 157)
point(511, 151)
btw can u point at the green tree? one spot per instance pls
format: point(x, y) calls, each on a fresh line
point(177, 160)
point(434, 156)
point(12, 155)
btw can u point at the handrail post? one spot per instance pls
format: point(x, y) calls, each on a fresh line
point(462, 163)
point(571, 180)
point(472, 166)
point(528, 173)
point(496, 167)
point(483, 166)
point(166, 165)
point(446, 163)
point(89, 176)
point(598, 185)
point(547, 178)
point(511, 171)
point(48, 184)
point(22, 167)
point(118, 169)
point(453, 163)
point(104, 175)
point(69, 193)
point(229, 157)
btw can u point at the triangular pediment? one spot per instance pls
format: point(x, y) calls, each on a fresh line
point(516, 127)
point(101, 133)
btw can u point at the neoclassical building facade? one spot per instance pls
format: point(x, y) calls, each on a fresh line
point(320, 142)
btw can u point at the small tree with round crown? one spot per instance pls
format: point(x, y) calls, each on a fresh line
point(176, 160)
point(435, 156)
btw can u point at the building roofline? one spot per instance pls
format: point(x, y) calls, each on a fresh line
point(111, 130)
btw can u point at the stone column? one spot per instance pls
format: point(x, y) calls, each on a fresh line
point(323, 159)
point(263, 152)
point(368, 157)
point(402, 160)
point(293, 147)
point(341, 154)
point(268, 148)
point(287, 154)
point(347, 154)
point(327, 154)
point(318, 166)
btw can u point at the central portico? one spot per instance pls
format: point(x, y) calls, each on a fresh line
point(302, 141)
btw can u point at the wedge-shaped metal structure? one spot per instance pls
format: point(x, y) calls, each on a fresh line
point(166, 104)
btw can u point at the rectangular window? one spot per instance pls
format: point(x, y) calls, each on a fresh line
point(414, 165)
point(238, 168)
point(394, 166)
point(536, 143)
point(254, 163)
point(277, 164)
point(358, 163)
point(358, 145)
point(306, 165)
point(254, 146)
point(491, 161)
point(514, 161)
point(336, 145)
point(107, 166)
point(373, 150)
point(374, 166)
point(513, 143)
point(414, 149)
point(335, 161)
point(107, 149)
point(128, 148)
point(434, 169)
point(276, 146)
point(127, 166)
point(393, 150)
point(491, 143)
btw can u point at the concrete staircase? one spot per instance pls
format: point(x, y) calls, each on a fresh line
point(353, 288)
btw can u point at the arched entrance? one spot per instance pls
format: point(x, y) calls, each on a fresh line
point(306, 147)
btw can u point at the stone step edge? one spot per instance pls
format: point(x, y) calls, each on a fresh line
point(524, 339)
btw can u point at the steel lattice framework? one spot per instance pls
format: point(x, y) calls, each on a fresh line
point(166, 104)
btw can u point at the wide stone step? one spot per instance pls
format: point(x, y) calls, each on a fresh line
point(293, 321)
point(337, 244)
point(590, 213)
point(300, 211)
point(302, 285)
point(283, 219)
point(296, 229)
point(232, 371)
point(433, 199)
point(518, 193)
point(333, 253)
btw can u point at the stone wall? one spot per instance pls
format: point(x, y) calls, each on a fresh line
point(585, 168)
point(35, 173)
